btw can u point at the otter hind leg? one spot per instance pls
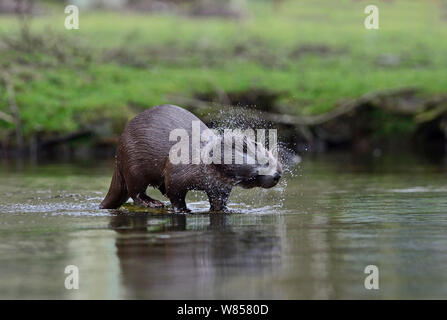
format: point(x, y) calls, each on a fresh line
point(137, 191)
point(162, 189)
point(143, 199)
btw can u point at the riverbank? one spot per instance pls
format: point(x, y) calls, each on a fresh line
point(80, 87)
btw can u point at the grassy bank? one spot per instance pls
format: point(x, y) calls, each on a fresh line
point(313, 53)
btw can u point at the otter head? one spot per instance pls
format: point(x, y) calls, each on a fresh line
point(264, 173)
point(241, 161)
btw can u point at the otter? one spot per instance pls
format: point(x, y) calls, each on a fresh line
point(143, 159)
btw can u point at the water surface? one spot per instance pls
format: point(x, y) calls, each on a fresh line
point(310, 237)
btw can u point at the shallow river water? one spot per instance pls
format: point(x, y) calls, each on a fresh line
point(310, 237)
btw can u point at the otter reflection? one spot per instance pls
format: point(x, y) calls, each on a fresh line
point(139, 223)
point(192, 256)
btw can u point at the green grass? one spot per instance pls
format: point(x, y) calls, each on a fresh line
point(314, 52)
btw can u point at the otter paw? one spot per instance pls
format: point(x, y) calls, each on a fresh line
point(182, 210)
point(154, 204)
point(219, 209)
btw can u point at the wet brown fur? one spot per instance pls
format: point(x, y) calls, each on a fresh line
point(143, 159)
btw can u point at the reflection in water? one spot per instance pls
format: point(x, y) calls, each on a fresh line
point(139, 223)
point(185, 256)
point(310, 239)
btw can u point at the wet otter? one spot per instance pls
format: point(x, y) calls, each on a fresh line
point(143, 158)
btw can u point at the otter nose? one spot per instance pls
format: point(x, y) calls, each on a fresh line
point(276, 176)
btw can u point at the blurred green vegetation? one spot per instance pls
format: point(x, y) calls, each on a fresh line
point(315, 53)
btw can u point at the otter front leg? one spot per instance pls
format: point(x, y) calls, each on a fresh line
point(143, 199)
point(218, 198)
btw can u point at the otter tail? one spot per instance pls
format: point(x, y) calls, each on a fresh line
point(117, 194)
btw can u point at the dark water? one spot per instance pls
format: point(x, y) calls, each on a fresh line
point(311, 237)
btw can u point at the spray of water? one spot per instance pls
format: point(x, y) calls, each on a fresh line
point(256, 200)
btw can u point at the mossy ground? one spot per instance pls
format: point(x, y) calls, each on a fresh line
point(314, 53)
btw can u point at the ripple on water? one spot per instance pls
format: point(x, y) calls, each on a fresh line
point(419, 190)
point(62, 202)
